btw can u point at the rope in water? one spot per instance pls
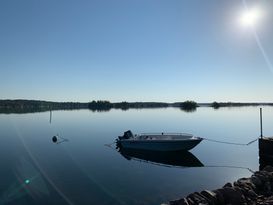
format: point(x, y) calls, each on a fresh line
point(228, 166)
point(232, 143)
point(185, 167)
point(110, 145)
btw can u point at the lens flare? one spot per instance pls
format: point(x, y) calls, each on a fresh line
point(250, 17)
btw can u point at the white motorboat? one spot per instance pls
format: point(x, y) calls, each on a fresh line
point(158, 142)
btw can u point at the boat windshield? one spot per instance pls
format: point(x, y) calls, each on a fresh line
point(165, 136)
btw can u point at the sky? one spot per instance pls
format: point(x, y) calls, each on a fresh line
point(135, 50)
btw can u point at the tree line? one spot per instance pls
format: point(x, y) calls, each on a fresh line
point(26, 106)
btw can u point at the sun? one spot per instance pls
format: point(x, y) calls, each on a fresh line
point(250, 17)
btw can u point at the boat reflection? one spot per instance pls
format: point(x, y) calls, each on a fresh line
point(171, 158)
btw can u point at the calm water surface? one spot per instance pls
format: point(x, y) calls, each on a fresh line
point(34, 170)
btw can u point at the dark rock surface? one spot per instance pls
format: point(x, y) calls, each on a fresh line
point(258, 189)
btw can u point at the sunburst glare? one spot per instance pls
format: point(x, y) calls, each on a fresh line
point(250, 17)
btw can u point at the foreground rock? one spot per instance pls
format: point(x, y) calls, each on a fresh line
point(257, 189)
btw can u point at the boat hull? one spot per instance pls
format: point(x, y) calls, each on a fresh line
point(160, 145)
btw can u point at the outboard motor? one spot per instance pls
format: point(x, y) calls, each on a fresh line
point(128, 134)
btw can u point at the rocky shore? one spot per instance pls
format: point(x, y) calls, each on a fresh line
point(258, 189)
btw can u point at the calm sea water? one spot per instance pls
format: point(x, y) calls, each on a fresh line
point(83, 170)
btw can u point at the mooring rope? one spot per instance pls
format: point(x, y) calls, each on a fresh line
point(185, 167)
point(110, 145)
point(232, 143)
point(228, 166)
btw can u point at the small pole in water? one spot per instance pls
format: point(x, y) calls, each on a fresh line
point(261, 121)
point(50, 118)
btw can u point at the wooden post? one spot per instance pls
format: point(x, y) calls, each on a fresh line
point(261, 121)
point(50, 118)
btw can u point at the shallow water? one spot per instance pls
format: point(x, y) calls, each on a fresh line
point(83, 170)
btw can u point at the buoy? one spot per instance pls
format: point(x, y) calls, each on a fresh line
point(57, 139)
point(54, 139)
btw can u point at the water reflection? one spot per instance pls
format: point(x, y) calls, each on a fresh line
point(171, 158)
point(88, 173)
point(193, 109)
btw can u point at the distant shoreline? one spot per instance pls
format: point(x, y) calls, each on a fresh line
point(26, 106)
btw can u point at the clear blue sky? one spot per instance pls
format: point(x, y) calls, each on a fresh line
point(134, 50)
